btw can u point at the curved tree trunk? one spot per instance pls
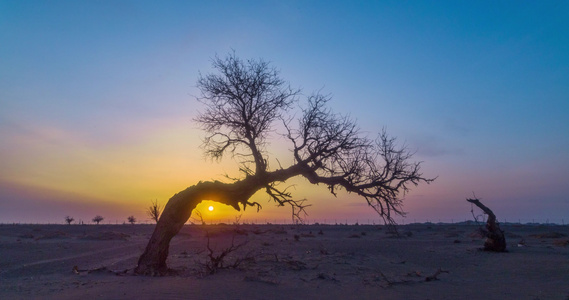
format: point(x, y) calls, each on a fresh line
point(495, 239)
point(180, 206)
point(174, 216)
point(178, 211)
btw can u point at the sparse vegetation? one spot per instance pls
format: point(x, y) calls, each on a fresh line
point(216, 262)
point(97, 219)
point(131, 219)
point(69, 220)
point(154, 211)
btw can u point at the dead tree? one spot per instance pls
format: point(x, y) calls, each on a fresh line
point(69, 220)
point(154, 211)
point(243, 103)
point(97, 219)
point(495, 239)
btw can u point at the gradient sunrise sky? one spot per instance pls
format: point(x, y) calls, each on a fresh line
point(97, 100)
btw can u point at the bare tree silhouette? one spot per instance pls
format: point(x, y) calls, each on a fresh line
point(97, 219)
point(154, 211)
point(69, 220)
point(244, 102)
point(131, 219)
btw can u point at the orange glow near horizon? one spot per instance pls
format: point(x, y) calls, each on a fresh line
point(120, 175)
point(117, 179)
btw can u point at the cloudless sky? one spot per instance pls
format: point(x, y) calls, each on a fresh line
point(97, 100)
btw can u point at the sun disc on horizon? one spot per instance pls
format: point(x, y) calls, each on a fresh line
point(210, 208)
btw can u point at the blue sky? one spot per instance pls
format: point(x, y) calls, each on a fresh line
point(97, 98)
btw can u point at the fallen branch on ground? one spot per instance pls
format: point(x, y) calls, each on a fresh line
point(434, 276)
point(78, 271)
point(391, 282)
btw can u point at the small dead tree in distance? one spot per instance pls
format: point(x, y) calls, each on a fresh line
point(154, 211)
point(243, 103)
point(69, 220)
point(97, 219)
point(131, 219)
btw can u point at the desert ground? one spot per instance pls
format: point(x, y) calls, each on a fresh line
point(424, 261)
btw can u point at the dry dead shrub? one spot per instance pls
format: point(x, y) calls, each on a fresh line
point(218, 261)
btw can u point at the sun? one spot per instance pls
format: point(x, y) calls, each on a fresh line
point(210, 208)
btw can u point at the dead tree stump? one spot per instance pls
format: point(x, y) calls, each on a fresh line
point(495, 239)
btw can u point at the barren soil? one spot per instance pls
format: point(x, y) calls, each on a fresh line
point(285, 262)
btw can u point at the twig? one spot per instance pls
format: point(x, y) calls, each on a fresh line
point(434, 276)
point(199, 217)
point(78, 271)
point(216, 262)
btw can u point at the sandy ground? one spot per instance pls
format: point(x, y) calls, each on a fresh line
point(285, 262)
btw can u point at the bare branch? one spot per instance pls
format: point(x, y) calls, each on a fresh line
point(336, 154)
point(199, 217)
point(154, 211)
point(217, 262)
point(298, 208)
point(245, 99)
point(242, 103)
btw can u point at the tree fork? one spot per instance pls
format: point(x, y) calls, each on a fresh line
point(243, 102)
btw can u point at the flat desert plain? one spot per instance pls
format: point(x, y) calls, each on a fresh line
point(425, 261)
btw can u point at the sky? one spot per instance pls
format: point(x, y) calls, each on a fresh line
point(97, 100)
